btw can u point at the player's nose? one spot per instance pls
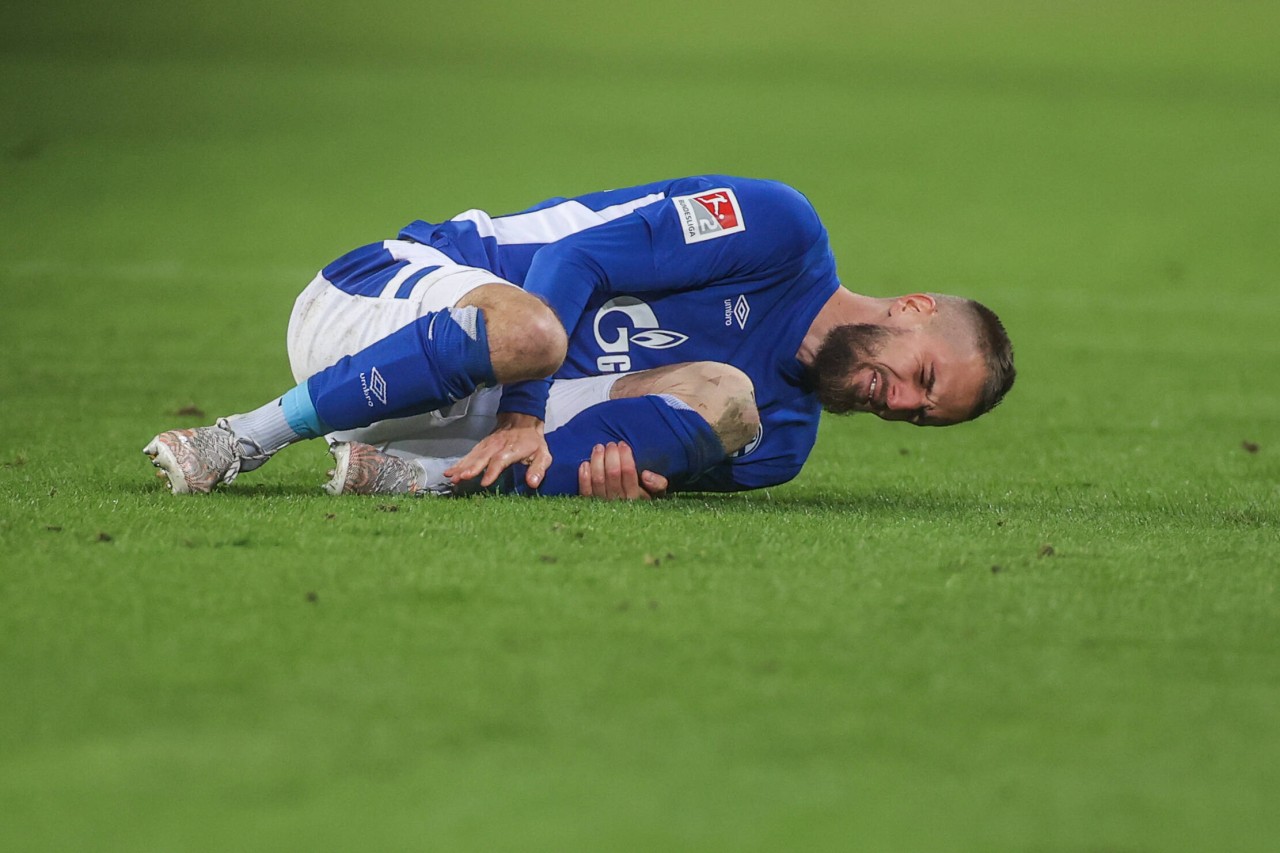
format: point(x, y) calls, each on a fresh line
point(904, 396)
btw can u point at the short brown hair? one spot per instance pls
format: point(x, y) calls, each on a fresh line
point(997, 351)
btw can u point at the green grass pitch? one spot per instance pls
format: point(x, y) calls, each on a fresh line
point(1055, 629)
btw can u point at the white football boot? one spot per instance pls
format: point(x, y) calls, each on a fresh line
point(196, 460)
point(362, 469)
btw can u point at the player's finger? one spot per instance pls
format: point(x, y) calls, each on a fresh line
point(498, 463)
point(584, 479)
point(598, 488)
point(474, 462)
point(517, 448)
point(538, 465)
point(613, 472)
point(631, 489)
point(655, 484)
point(468, 467)
point(463, 469)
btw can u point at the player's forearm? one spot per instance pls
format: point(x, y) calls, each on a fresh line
point(565, 279)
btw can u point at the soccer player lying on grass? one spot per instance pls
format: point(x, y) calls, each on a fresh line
point(698, 320)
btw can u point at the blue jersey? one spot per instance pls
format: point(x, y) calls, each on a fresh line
point(708, 268)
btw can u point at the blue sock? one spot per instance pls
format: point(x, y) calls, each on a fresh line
point(433, 362)
point(665, 434)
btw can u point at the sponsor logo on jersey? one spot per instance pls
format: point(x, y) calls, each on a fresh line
point(615, 337)
point(707, 215)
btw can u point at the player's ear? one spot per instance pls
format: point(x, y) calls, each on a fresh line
point(914, 303)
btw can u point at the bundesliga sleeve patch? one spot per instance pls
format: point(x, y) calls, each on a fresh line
point(709, 214)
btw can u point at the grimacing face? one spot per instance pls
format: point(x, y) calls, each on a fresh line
point(914, 373)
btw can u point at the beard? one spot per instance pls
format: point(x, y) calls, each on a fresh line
point(845, 350)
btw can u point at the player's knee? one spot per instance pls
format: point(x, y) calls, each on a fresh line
point(726, 397)
point(526, 338)
point(546, 342)
point(738, 419)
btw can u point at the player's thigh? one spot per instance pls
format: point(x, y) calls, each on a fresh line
point(711, 388)
point(721, 393)
point(568, 397)
point(369, 293)
point(712, 384)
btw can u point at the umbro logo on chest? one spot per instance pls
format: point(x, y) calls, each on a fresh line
point(737, 310)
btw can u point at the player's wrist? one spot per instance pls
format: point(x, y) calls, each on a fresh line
point(518, 420)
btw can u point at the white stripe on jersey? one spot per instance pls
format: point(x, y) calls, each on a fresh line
point(551, 223)
point(419, 256)
point(391, 287)
point(403, 250)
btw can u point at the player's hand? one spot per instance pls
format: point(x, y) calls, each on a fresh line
point(517, 438)
point(610, 475)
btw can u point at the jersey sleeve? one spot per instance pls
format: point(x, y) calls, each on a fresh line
point(727, 477)
point(703, 232)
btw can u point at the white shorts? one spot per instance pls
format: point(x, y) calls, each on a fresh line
point(328, 324)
